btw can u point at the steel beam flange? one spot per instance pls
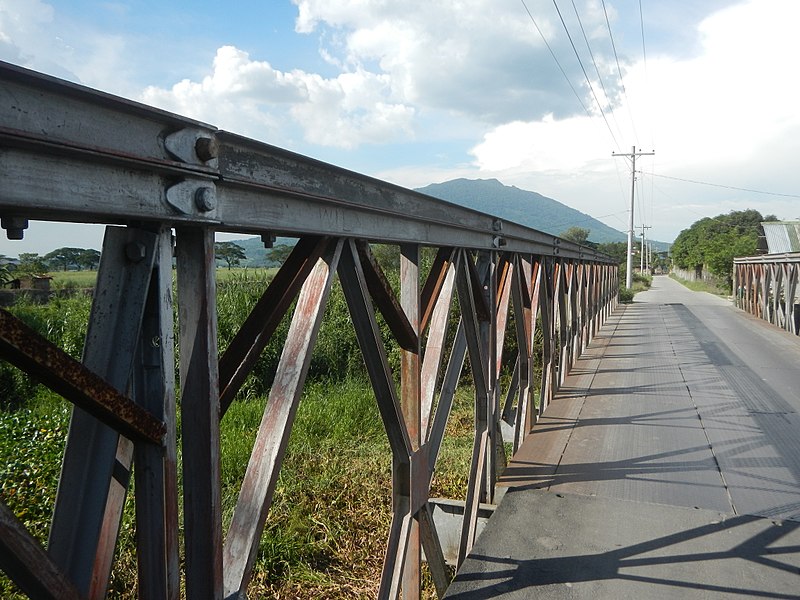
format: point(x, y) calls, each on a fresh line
point(192, 197)
point(193, 146)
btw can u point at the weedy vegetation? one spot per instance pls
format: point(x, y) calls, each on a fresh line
point(327, 527)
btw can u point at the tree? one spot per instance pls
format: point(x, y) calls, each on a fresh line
point(30, 263)
point(616, 250)
point(712, 243)
point(277, 255)
point(89, 259)
point(231, 252)
point(64, 257)
point(579, 235)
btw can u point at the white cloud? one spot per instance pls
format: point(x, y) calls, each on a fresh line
point(34, 35)
point(457, 77)
point(252, 97)
point(728, 115)
point(482, 58)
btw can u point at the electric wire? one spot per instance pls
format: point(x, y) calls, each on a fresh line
point(588, 81)
point(729, 187)
point(641, 23)
point(619, 72)
point(596, 68)
point(646, 75)
point(553, 54)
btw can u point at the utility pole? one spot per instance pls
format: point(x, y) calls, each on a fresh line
point(643, 261)
point(629, 265)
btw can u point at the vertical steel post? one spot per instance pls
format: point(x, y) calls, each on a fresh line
point(200, 410)
point(410, 402)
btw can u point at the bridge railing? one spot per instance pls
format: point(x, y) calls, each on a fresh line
point(767, 286)
point(71, 154)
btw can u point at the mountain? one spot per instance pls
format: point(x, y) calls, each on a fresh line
point(492, 197)
point(521, 206)
point(256, 253)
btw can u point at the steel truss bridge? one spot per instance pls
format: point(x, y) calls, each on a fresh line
point(165, 185)
point(766, 286)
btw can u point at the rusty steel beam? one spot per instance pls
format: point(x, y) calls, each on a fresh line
point(247, 186)
point(261, 477)
point(182, 174)
point(200, 412)
point(766, 287)
point(255, 333)
point(382, 294)
point(411, 403)
point(369, 339)
point(96, 464)
point(24, 348)
point(434, 346)
point(27, 563)
point(433, 284)
point(156, 473)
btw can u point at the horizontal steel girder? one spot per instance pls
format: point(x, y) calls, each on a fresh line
point(69, 153)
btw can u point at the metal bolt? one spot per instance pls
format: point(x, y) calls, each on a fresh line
point(207, 148)
point(135, 252)
point(268, 239)
point(15, 227)
point(204, 199)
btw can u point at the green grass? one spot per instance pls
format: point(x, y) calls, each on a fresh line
point(702, 286)
point(87, 279)
point(224, 274)
point(326, 532)
point(73, 279)
point(639, 283)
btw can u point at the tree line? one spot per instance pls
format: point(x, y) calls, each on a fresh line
point(712, 243)
point(88, 259)
point(616, 250)
point(61, 259)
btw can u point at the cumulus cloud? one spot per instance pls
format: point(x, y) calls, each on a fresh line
point(483, 59)
point(724, 106)
point(246, 95)
point(36, 36)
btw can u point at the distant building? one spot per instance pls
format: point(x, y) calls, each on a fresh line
point(781, 237)
point(31, 282)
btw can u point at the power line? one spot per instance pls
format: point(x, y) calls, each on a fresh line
point(729, 187)
point(563, 72)
point(644, 47)
point(594, 62)
point(619, 71)
point(646, 75)
point(588, 81)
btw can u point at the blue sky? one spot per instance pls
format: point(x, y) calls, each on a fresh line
point(418, 92)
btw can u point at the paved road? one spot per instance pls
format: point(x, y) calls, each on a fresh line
point(668, 466)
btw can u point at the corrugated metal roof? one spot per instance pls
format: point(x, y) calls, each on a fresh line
point(782, 236)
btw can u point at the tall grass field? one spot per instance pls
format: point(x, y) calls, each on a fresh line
point(326, 532)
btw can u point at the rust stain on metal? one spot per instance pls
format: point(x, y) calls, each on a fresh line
point(26, 349)
point(385, 300)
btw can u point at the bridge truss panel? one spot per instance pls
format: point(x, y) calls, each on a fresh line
point(767, 286)
point(71, 154)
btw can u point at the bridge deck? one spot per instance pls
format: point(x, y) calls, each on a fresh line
point(668, 466)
